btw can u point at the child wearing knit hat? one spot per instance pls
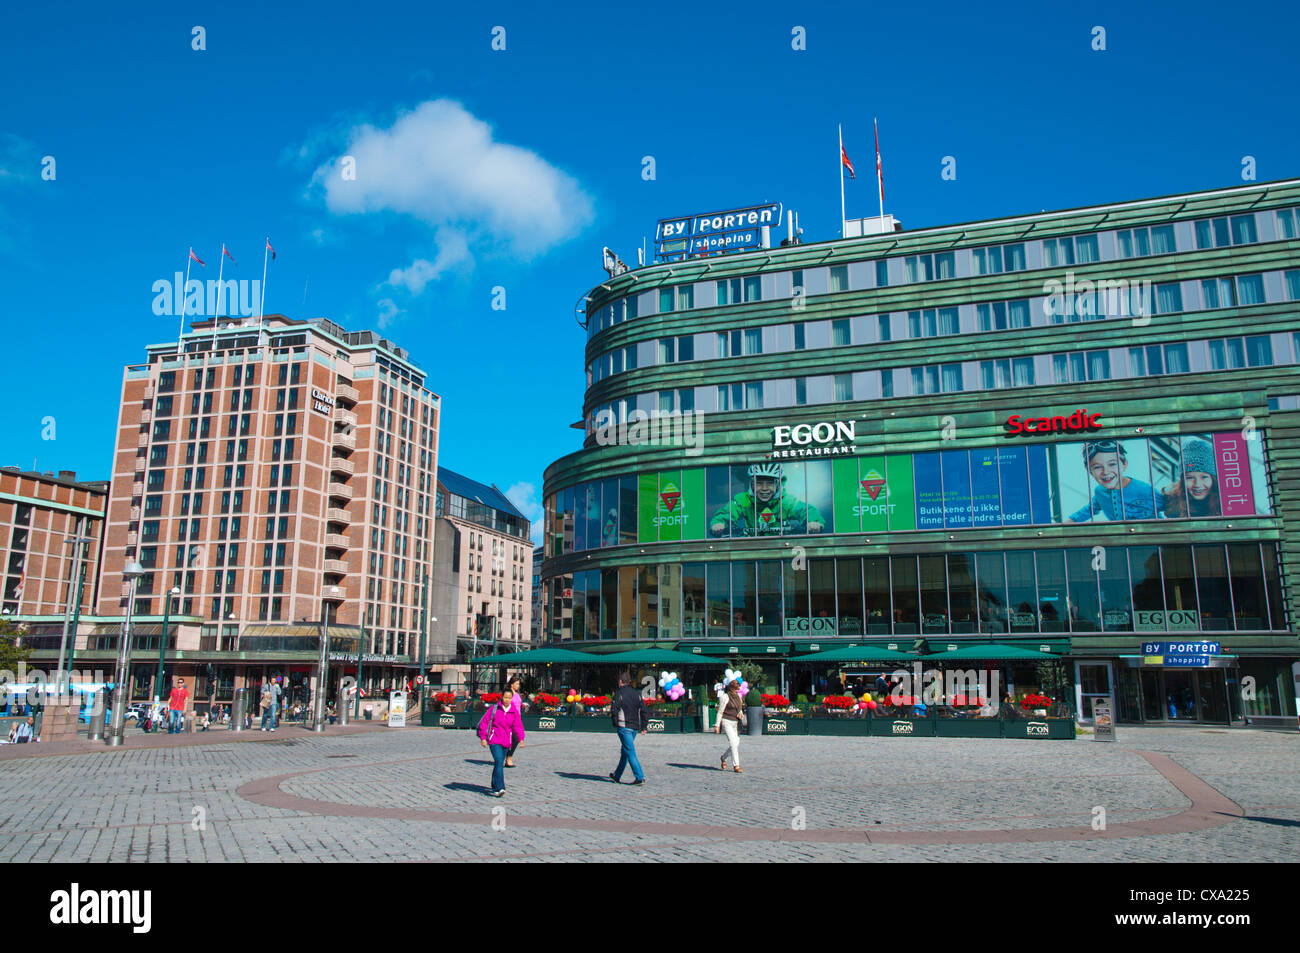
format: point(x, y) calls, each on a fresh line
point(1196, 492)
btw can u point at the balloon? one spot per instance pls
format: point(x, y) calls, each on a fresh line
point(862, 705)
point(744, 689)
point(871, 706)
point(866, 696)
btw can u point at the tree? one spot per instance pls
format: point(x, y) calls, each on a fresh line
point(11, 653)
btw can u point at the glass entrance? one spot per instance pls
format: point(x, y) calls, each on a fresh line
point(1180, 695)
point(1152, 696)
point(1213, 696)
point(1094, 683)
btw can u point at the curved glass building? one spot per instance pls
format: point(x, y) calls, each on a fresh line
point(1073, 431)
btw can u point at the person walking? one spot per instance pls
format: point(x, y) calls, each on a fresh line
point(518, 705)
point(176, 707)
point(731, 715)
point(500, 729)
point(629, 715)
point(275, 702)
point(266, 702)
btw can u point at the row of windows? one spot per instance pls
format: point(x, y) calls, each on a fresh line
point(1110, 245)
point(1128, 300)
point(1145, 590)
point(1214, 354)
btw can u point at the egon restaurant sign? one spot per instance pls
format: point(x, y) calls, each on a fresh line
point(824, 439)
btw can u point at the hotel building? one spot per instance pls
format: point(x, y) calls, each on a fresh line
point(866, 474)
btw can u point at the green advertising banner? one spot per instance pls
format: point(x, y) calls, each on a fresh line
point(647, 499)
point(844, 478)
point(899, 492)
point(668, 508)
point(871, 499)
point(694, 517)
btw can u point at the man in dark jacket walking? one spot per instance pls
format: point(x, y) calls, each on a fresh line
point(628, 712)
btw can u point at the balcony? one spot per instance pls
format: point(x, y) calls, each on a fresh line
point(344, 392)
point(345, 417)
point(146, 416)
point(337, 541)
point(336, 514)
point(341, 490)
point(342, 465)
point(142, 440)
point(339, 566)
point(148, 392)
point(131, 539)
point(139, 468)
point(345, 440)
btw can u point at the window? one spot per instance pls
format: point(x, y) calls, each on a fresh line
point(800, 338)
point(932, 322)
point(1007, 372)
point(996, 259)
point(1169, 298)
point(936, 379)
point(1293, 285)
point(882, 321)
point(1080, 367)
point(1001, 315)
point(1250, 289)
point(882, 273)
point(930, 267)
point(1233, 353)
point(841, 333)
point(1218, 293)
point(839, 280)
point(1155, 360)
point(843, 387)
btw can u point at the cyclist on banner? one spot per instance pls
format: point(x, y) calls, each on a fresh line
point(766, 509)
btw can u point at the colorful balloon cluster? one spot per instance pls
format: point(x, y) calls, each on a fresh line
point(729, 676)
point(671, 685)
point(866, 702)
point(572, 697)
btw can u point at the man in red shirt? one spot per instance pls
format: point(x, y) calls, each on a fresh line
point(176, 707)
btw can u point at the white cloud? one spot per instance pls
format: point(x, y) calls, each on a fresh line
point(388, 311)
point(441, 165)
point(453, 250)
point(524, 496)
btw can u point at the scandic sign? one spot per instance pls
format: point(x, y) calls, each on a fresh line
point(1079, 420)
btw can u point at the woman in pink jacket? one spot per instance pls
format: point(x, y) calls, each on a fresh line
point(500, 726)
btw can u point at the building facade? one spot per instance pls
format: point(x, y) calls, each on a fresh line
point(483, 573)
point(1073, 431)
point(535, 623)
point(42, 515)
point(271, 477)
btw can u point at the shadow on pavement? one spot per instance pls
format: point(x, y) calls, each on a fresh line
point(463, 786)
point(1279, 821)
point(693, 767)
point(603, 778)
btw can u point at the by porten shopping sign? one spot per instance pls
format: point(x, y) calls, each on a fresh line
point(1079, 420)
point(824, 439)
point(1179, 654)
point(711, 232)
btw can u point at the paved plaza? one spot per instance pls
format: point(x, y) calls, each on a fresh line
point(374, 794)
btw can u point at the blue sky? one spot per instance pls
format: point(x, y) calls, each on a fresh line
point(480, 168)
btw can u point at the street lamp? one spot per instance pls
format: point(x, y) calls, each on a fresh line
point(162, 647)
point(322, 668)
point(132, 573)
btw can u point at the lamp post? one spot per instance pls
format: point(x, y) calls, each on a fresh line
point(162, 646)
point(361, 651)
point(121, 693)
point(322, 668)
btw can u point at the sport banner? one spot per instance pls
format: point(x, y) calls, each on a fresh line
point(844, 478)
point(693, 508)
point(873, 503)
point(668, 509)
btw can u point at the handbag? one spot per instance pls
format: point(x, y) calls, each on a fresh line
point(491, 716)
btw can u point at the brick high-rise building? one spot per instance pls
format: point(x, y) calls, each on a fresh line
point(273, 472)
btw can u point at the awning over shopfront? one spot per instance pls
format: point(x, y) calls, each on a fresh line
point(653, 657)
point(992, 652)
point(856, 653)
point(535, 657)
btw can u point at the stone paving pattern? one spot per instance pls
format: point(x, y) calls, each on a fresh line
point(138, 803)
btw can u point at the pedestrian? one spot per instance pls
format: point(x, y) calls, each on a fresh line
point(518, 705)
point(176, 707)
point(731, 715)
point(267, 701)
point(502, 730)
point(275, 702)
point(629, 715)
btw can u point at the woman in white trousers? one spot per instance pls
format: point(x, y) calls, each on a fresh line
point(731, 715)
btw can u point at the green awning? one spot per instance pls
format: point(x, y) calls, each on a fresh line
point(653, 657)
point(991, 652)
point(856, 653)
point(534, 657)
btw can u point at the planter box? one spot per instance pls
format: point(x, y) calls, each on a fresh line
point(786, 725)
point(546, 722)
point(664, 726)
point(450, 719)
point(968, 727)
point(1060, 729)
point(599, 722)
point(840, 726)
point(903, 727)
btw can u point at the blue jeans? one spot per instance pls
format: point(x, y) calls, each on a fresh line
point(174, 722)
point(266, 718)
point(498, 766)
point(272, 712)
point(627, 736)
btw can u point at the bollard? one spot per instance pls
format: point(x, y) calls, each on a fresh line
point(237, 710)
point(96, 731)
point(344, 709)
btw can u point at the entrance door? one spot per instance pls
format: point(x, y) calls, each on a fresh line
point(1153, 696)
point(1129, 701)
point(1094, 683)
point(1180, 695)
point(1213, 696)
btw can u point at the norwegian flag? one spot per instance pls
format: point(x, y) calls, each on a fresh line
point(195, 257)
point(225, 251)
point(844, 161)
point(880, 173)
point(270, 249)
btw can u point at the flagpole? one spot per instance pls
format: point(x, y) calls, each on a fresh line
point(261, 304)
point(880, 175)
point(184, 289)
point(221, 265)
point(840, 162)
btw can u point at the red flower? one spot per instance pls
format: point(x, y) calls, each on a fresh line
point(491, 698)
point(776, 701)
point(839, 701)
point(545, 699)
